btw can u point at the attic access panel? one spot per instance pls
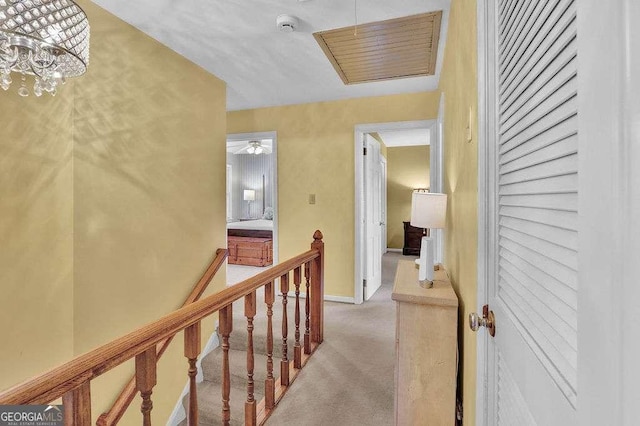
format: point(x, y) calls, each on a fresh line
point(384, 50)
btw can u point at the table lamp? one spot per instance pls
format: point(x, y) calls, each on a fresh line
point(249, 195)
point(428, 210)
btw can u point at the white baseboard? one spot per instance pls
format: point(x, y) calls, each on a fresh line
point(341, 299)
point(327, 297)
point(394, 250)
point(178, 414)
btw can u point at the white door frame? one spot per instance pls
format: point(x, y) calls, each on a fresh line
point(436, 179)
point(274, 137)
point(383, 203)
point(609, 239)
point(609, 188)
point(359, 131)
point(486, 207)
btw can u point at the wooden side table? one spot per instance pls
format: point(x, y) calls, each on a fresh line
point(426, 343)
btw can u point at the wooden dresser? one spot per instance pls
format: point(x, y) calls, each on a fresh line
point(426, 342)
point(413, 239)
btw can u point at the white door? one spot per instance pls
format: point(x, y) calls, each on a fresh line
point(373, 229)
point(532, 252)
point(383, 203)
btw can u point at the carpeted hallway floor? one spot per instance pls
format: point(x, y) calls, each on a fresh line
point(349, 380)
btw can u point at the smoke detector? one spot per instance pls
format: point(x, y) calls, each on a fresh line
point(287, 23)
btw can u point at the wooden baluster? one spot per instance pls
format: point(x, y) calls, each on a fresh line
point(307, 310)
point(297, 350)
point(250, 405)
point(226, 326)
point(192, 336)
point(145, 381)
point(317, 290)
point(269, 383)
point(284, 364)
point(77, 406)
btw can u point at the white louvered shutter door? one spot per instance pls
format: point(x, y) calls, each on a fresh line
point(536, 149)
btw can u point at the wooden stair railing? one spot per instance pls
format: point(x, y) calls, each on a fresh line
point(128, 393)
point(72, 381)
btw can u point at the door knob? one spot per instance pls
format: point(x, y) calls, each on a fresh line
point(487, 320)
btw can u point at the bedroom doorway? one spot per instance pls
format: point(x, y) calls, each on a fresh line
point(252, 200)
point(396, 160)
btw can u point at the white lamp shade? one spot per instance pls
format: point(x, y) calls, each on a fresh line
point(428, 210)
point(249, 194)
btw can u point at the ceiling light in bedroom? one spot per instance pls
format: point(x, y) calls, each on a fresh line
point(44, 38)
point(255, 147)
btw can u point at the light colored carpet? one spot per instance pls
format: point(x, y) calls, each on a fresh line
point(349, 379)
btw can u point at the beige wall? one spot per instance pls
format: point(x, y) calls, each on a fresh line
point(459, 83)
point(113, 211)
point(36, 231)
point(316, 155)
point(407, 169)
point(149, 184)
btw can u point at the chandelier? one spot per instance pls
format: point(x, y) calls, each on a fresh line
point(46, 39)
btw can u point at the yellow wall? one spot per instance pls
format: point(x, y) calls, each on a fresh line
point(458, 81)
point(36, 233)
point(383, 146)
point(113, 211)
point(407, 169)
point(316, 155)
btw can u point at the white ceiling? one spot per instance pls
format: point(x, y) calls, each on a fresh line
point(237, 41)
point(411, 137)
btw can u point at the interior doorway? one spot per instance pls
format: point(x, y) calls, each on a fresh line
point(378, 214)
point(252, 201)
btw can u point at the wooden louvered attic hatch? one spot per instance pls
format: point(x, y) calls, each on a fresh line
point(384, 50)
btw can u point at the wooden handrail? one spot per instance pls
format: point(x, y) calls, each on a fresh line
point(73, 374)
point(128, 393)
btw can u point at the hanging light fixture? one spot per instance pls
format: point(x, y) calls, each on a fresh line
point(48, 39)
point(253, 147)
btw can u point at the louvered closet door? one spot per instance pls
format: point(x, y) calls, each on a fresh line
point(534, 294)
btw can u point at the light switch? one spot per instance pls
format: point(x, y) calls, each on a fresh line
point(312, 198)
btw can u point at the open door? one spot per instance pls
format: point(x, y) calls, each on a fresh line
point(383, 203)
point(372, 212)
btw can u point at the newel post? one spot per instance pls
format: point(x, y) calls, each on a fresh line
point(317, 289)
